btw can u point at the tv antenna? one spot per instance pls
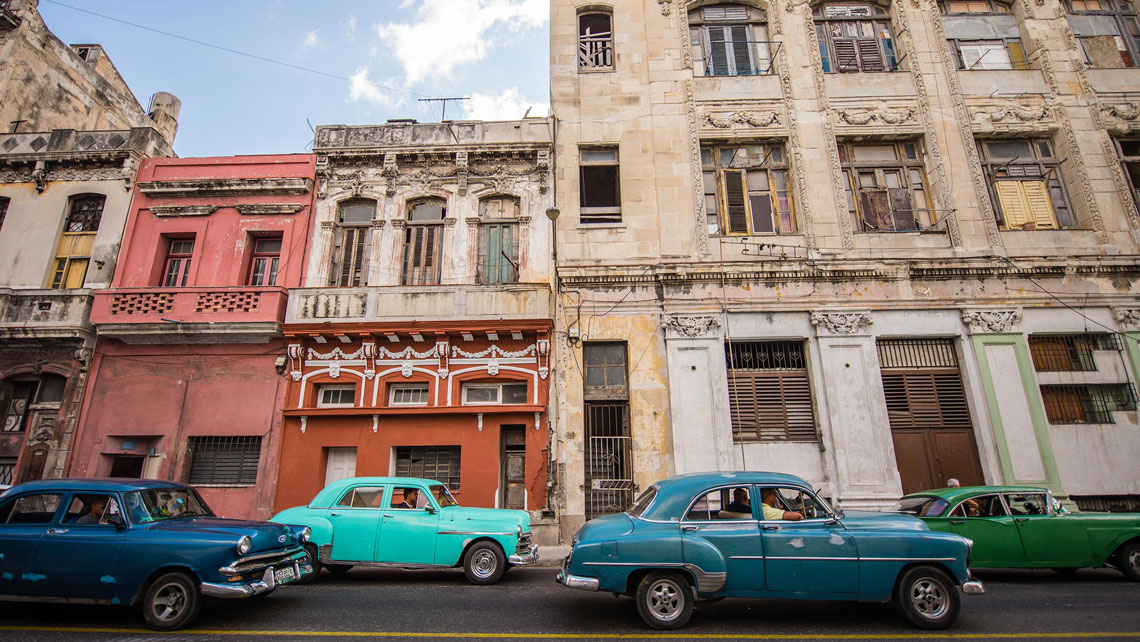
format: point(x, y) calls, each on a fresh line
point(443, 112)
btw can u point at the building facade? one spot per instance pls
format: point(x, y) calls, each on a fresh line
point(420, 342)
point(186, 379)
point(875, 244)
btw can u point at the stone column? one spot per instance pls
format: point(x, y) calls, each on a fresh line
point(860, 438)
point(698, 396)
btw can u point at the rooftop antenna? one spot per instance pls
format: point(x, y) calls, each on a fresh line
point(443, 113)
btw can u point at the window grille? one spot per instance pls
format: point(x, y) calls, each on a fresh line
point(609, 459)
point(7, 470)
point(440, 463)
point(224, 461)
point(84, 213)
point(1087, 403)
point(769, 393)
point(1069, 352)
point(15, 418)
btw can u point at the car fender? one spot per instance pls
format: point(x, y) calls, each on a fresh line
point(320, 526)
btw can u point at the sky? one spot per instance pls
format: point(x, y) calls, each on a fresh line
point(376, 58)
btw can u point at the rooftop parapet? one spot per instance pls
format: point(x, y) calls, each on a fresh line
point(70, 143)
point(449, 134)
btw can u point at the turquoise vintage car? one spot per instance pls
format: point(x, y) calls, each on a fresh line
point(1021, 527)
point(708, 536)
point(407, 522)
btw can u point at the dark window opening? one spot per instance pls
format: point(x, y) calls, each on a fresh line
point(352, 243)
point(599, 186)
point(595, 41)
point(84, 213)
point(224, 461)
point(886, 187)
point(439, 463)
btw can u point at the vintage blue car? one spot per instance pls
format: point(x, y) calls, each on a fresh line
point(131, 541)
point(765, 535)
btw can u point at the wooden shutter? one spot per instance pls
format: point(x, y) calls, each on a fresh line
point(741, 50)
point(925, 399)
point(902, 209)
point(846, 56)
point(870, 55)
point(771, 406)
point(875, 206)
point(1039, 203)
point(421, 255)
point(734, 200)
point(718, 51)
point(1013, 209)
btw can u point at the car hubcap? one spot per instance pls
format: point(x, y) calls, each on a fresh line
point(929, 598)
point(665, 600)
point(1134, 560)
point(169, 601)
point(484, 564)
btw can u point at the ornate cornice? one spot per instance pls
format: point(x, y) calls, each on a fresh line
point(182, 210)
point(979, 321)
point(692, 327)
point(292, 186)
point(841, 323)
point(861, 117)
point(260, 209)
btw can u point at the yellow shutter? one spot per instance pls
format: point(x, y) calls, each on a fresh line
point(75, 244)
point(76, 273)
point(1013, 205)
point(1040, 205)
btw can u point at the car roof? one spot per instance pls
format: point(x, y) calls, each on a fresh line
point(675, 493)
point(109, 484)
point(952, 495)
point(333, 491)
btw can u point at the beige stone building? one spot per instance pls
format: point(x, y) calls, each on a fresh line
point(874, 244)
point(73, 139)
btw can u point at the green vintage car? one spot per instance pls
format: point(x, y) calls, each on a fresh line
point(1020, 527)
point(407, 522)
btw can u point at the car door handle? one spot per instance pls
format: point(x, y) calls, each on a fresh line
point(388, 515)
point(334, 514)
point(1021, 519)
point(56, 531)
point(957, 522)
point(771, 527)
point(689, 527)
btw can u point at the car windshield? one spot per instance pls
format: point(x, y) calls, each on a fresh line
point(642, 504)
point(921, 506)
point(147, 506)
point(443, 496)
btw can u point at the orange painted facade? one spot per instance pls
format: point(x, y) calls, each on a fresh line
point(375, 358)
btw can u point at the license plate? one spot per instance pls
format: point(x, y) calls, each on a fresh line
point(283, 575)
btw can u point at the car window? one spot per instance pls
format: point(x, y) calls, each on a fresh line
point(644, 502)
point(980, 506)
point(722, 503)
point(145, 506)
point(408, 497)
point(775, 501)
point(34, 509)
point(443, 496)
point(1027, 503)
point(91, 508)
point(921, 506)
point(363, 497)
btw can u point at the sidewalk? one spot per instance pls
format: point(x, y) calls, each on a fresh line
point(551, 556)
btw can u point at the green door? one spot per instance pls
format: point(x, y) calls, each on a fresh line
point(1049, 539)
point(500, 254)
point(984, 519)
point(407, 535)
point(356, 524)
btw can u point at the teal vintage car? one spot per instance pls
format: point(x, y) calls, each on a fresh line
point(1023, 527)
point(765, 535)
point(407, 522)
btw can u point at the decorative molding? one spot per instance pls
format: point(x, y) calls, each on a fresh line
point(182, 210)
point(282, 186)
point(696, 171)
point(327, 225)
point(461, 170)
point(844, 323)
point(257, 209)
point(1082, 173)
point(750, 118)
point(304, 423)
point(1128, 318)
point(980, 321)
point(803, 194)
point(692, 327)
point(865, 116)
point(666, 6)
point(1010, 111)
point(1119, 117)
point(389, 172)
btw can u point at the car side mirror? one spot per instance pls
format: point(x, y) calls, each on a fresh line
point(431, 509)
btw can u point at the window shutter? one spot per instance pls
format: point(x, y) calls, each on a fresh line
point(741, 50)
point(846, 58)
point(482, 262)
point(1017, 55)
point(737, 213)
point(1040, 206)
point(771, 406)
point(870, 55)
point(1013, 208)
point(431, 266)
point(875, 208)
point(718, 52)
point(736, 13)
point(902, 209)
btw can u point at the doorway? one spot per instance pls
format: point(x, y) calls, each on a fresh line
point(340, 463)
point(512, 464)
point(126, 466)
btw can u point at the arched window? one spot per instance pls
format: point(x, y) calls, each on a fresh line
point(595, 40)
point(84, 211)
point(423, 240)
point(730, 40)
point(352, 242)
point(854, 37)
point(498, 240)
point(1108, 30)
point(983, 34)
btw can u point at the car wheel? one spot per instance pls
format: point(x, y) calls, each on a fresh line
point(338, 569)
point(665, 600)
point(171, 602)
point(484, 563)
point(311, 549)
point(927, 597)
point(1128, 560)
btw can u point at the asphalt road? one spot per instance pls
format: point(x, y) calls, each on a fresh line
point(527, 605)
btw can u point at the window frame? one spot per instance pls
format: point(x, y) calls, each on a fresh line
point(945, 6)
point(754, 23)
point(605, 392)
point(595, 215)
point(600, 45)
point(794, 368)
point(351, 242)
point(263, 278)
point(853, 170)
point(5, 203)
point(1125, 160)
point(1047, 173)
point(878, 17)
point(1009, 45)
point(712, 159)
point(339, 387)
point(11, 508)
point(453, 452)
point(1125, 14)
point(179, 260)
point(498, 387)
point(393, 388)
point(496, 272)
point(426, 235)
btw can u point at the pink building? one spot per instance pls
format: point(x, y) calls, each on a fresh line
point(185, 382)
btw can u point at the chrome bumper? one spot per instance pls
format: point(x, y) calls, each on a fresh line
point(973, 587)
point(268, 582)
point(577, 581)
point(522, 559)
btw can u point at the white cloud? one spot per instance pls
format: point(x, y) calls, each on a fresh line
point(350, 28)
point(448, 33)
point(312, 39)
point(361, 88)
point(506, 105)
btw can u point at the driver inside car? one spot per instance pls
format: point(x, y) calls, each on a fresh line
point(769, 499)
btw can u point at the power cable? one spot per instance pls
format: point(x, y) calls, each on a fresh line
point(233, 51)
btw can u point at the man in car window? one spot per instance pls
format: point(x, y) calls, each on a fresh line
point(94, 512)
point(411, 497)
point(769, 498)
point(740, 502)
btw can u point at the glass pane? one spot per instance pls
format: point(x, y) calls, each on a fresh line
point(727, 154)
point(481, 394)
point(615, 376)
point(709, 181)
point(258, 273)
point(893, 179)
point(615, 355)
point(426, 211)
point(599, 155)
point(757, 180)
point(706, 156)
point(867, 179)
point(1043, 149)
point(357, 211)
point(761, 214)
point(595, 376)
point(710, 204)
point(874, 152)
point(51, 389)
point(268, 246)
point(594, 355)
point(514, 393)
point(1008, 149)
point(777, 154)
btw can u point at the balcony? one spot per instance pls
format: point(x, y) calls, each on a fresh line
point(189, 315)
point(44, 313)
point(419, 303)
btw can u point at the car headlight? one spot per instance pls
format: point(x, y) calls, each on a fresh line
point(244, 544)
point(303, 536)
point(518, 530)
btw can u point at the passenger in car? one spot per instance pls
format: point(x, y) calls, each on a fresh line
point(94, 512)
point(768, 497)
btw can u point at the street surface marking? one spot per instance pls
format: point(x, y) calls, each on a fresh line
point(586, 636)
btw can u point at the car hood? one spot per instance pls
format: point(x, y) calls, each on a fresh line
point(499, 516)
point(265, 536)
point(867, 519)
point(606, 527)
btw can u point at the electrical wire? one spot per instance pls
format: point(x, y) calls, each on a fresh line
point(233, 51)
